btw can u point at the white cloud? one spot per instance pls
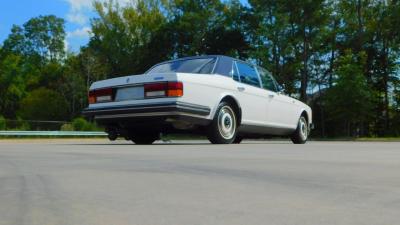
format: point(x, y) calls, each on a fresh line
point(77, 17)
point(84, 4)
point(79, 13)
point(79, 9)
point(83, 32)
point(77, 38)
point(77, 5)
point(66, 45)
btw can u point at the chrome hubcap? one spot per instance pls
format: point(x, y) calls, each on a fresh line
point(303, 128)
point(226, 122)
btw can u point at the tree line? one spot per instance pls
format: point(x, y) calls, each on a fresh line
point(341, 57)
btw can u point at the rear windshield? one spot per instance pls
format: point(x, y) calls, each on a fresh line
point(201, 65)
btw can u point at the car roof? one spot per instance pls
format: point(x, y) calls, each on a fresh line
point(204, 56)
point(223, 66)
point(227, 58)
point(191, 57)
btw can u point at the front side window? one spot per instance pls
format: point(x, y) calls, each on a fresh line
point(267, 80)
point(248, 74)
point(200, 65)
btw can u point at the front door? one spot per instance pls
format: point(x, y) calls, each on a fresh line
point(281, 108)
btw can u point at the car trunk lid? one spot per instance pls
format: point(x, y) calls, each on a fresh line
point(134, 88)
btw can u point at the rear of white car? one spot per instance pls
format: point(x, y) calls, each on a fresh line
point(145, 103)
point(141, 106)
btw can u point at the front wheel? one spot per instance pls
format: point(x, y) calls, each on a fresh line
point(301, 134)
point(223, 128)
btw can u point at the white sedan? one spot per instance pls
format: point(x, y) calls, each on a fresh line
point(224, 98)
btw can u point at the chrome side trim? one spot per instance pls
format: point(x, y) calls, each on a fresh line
point(133, 115)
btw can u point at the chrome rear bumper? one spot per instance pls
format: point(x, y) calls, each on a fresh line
point(147, 110)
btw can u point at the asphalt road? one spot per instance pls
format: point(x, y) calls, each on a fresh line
point(255, 183)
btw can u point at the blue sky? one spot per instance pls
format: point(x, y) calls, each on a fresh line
point(75, 12)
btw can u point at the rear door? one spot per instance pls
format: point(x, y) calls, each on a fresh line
point(250, 94)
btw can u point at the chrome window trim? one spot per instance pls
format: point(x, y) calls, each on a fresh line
point(237, 70)
point(259, 77)
point(215, 65)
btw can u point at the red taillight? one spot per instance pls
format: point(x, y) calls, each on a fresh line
point(166, 89)
point(101, 95)
point(155, 90)
point(175, 89)
point(92, 97)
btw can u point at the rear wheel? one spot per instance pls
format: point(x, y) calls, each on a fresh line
point(145, 139)
point(222, 129)
point(301, 134)
point(238, 140)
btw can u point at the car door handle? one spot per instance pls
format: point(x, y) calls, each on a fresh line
point(271, 95)
point(241, 88)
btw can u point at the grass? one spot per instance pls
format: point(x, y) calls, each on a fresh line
point(51, 137)
point(383, 139)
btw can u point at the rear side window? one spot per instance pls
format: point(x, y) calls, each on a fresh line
point(248, 74)
point(200, 65)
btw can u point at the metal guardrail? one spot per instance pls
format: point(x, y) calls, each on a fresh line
point(52, 133)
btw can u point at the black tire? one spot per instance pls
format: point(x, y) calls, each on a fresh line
point(223, 128)
point(301, 134)
point(145, 139)
point(112, 133)
point(238, 140)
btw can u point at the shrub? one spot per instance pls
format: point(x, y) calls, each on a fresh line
point(67, 127)
point(80, 124)
point(44, 104)
point(2, 123)
point(23, 125)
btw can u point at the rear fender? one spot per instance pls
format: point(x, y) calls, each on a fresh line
point(220, 98)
